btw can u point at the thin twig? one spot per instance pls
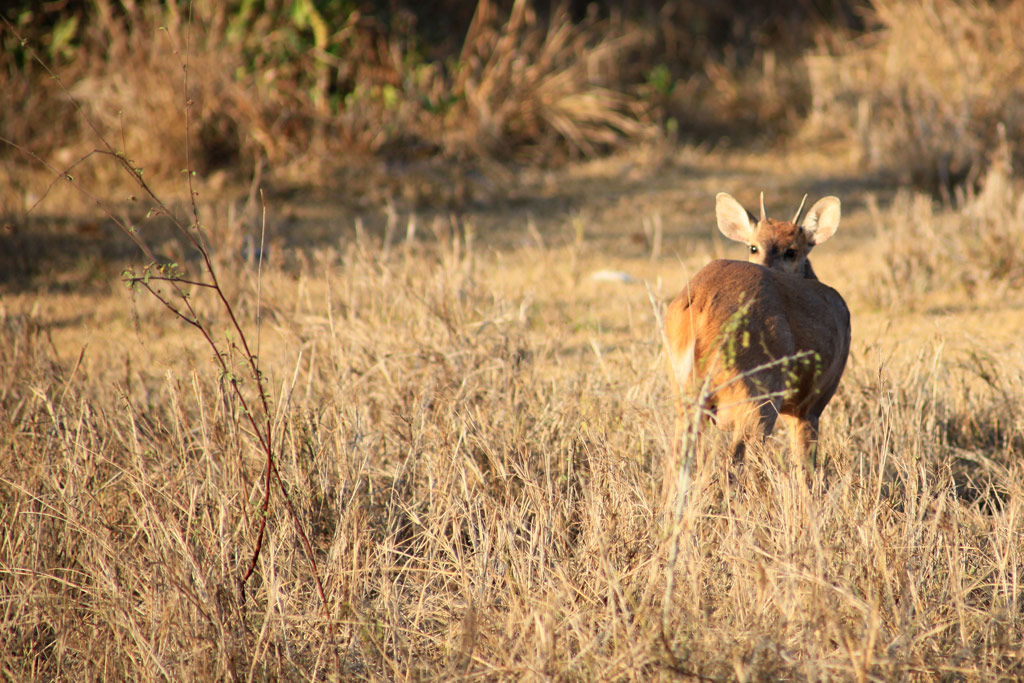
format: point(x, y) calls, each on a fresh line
point(197, 238)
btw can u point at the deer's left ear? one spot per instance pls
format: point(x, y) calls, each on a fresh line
point(822, 220)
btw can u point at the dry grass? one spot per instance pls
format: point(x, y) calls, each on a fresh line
point(476, 441)
point(925, 91)
point(966, 254)
point(920, 92)
point(528, 86)
point(268, 86)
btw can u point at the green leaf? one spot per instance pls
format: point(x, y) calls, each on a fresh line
point(63, 36)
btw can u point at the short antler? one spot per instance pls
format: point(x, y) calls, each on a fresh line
point(796, 218)
point(764, 216)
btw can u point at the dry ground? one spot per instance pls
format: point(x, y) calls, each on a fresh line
point(473, 429)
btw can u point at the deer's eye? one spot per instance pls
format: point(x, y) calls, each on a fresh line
point(790, 253)
point(753, 248)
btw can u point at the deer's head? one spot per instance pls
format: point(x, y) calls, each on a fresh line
point(775, 244)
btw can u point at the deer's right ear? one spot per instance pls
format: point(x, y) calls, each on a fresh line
point(733, 220)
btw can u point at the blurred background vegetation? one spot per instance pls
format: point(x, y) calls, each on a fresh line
point(919, 88)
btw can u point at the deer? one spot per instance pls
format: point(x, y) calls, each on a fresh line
point(761, 338)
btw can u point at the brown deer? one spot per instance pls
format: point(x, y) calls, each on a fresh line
point(763, 338)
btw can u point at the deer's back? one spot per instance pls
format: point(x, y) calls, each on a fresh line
point(746, 315)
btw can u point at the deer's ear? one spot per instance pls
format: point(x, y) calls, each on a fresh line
point(823, 219)
point(733, 220)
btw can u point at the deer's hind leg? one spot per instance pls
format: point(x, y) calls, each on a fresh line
point(803, 438)
point(750, 416)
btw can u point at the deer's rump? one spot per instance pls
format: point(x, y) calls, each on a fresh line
point(786, 334)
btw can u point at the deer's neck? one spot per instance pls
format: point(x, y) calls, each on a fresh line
point(808, 271)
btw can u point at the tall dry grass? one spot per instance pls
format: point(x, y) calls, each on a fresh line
point(308, 88)
point(476, 441)
point(917, 88)
point(966, 253)
point(924, 91)
point(527, 85)
point(288, 86)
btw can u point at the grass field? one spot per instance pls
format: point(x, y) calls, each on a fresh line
point(473, 431)
point(468, 409)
